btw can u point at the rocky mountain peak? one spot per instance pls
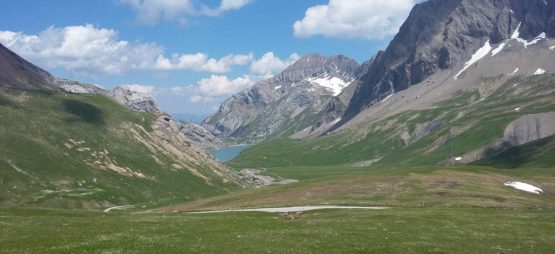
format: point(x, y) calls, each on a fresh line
point(312, 65)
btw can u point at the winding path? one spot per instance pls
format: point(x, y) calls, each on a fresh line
point(292, 209)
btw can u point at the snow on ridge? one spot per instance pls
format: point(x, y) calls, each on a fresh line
point(524, 187)
point(539, 71)
point(333, 84)
point(481, 53)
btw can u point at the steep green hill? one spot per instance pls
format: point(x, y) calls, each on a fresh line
point(87, 151)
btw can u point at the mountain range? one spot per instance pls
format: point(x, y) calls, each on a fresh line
point(473, 78)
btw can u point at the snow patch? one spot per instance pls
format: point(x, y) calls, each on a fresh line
point(458, 159)
point(539, 71)
point(552, 48)
point(277, 88)
point(514, 72)
point(517, 109)
point(481, 53)
point(524, 187)
point(498, 49)
point(516, 36)
point(386, 98)
point(332, 84)
point(123, 207)
point(335, 122)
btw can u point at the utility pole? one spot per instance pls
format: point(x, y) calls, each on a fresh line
point(449, 146)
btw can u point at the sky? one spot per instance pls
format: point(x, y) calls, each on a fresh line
point(192, 54)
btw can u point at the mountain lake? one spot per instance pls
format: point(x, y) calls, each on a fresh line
point(229, 153)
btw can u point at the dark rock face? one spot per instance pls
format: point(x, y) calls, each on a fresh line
point(442, 34)
point(18, 73)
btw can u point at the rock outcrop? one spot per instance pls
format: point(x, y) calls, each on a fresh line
point(529, 128)
point(76, 87)
point(200, 136)
point(135, 100)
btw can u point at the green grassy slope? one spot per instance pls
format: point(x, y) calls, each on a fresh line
point(475, 123)
point(64, 150)
point(393, 187)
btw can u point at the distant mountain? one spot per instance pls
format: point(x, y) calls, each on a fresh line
point(287, 103)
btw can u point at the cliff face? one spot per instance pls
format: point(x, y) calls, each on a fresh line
point(443, 34)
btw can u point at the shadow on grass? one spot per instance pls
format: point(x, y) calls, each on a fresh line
point(516, 156)
point(85, 111)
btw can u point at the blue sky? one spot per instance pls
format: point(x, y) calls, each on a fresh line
point(221, 43)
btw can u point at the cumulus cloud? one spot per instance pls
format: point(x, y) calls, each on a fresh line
point(225, 5)
point(368, 19)
point(151, 12)
point(91, 50)
point(217, 85)
point(201, 62)
point(269, 65)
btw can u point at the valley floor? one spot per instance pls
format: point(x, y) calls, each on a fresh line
point(398, 230)
point(430, 210)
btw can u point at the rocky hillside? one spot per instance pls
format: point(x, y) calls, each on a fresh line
point(287, 103)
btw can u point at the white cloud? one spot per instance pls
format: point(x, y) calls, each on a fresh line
point(91, 50)
point(368, 19)
point(217, 85)
point(201, 62)
point(142, 89)
point(84, 49)
point(269, 65)
point(225, 5)
point(151, 12)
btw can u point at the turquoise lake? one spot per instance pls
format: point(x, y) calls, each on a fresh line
point(229, 153)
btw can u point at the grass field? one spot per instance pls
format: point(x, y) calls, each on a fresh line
point(398, 230)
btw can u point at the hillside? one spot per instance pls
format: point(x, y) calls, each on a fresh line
point(479, 127)
point(88, 151)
